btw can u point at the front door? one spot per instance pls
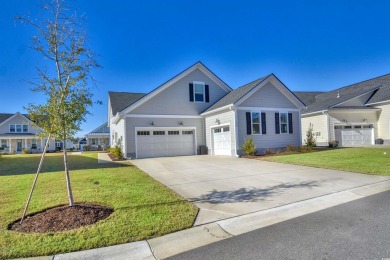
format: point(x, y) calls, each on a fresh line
point(19, 148)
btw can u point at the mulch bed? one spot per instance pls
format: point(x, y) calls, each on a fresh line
point(113, 158)
point(62, 218)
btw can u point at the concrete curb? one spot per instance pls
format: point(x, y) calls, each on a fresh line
point(182, 241)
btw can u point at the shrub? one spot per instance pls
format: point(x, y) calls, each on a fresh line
point(310, 138)
point(117, 150)
point(291, 148)
point(24, 151)
point(249, 147)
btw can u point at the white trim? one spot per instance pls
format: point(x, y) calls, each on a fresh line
point(260, 122)
point(280, 122)
point(137, 128)
point(269, 109)
point(236, 133)
point(162, 116)
point(300, 128)
point(316, 112)
point(175, 79)
point(365, 93)
point(212, 139)
point(376, 103)
point(217, 109)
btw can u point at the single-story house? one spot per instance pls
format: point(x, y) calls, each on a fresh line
point(195, 112)
point(17, 132)
point(358, 114)
point(99, 137)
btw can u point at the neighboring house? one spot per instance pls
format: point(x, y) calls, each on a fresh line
point(357, 114)
point(196, 109)
point(17, 132)
point(99, 137)
point(69, 144)
point(82, 143)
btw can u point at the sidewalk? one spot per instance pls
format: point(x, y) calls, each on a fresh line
point(104, 158)
point(178, 242)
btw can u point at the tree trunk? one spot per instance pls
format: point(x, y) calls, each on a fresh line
point(36, 178)
point(68, 185)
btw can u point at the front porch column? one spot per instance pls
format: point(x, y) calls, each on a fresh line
point(10, 146)
point(25, 144)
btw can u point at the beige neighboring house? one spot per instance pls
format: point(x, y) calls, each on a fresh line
point(99, 137)
point(17, 132)
point(358, 114)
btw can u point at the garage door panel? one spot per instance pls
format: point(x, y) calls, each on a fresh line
point(221, 140)
point(161, 143)
point(355, 136)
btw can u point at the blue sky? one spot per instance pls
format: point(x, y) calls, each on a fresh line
point(309, 45)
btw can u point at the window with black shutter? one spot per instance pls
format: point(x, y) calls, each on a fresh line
point(263, 124)
point(277, 125)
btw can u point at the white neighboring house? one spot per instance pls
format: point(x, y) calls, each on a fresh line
point(358, 114)
point(69, 144)
point(195, 112)
point(100, 137)
point(17, 132)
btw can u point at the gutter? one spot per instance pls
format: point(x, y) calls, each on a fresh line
point(235, 130)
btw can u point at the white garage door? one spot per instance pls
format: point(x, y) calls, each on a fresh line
point(163, 142)
point(221, 140)
point(354, 135)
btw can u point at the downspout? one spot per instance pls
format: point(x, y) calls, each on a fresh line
point(235, 131)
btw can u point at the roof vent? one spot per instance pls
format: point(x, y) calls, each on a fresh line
point(338, 94)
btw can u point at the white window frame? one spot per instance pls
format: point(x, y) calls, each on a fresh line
point(14, 128)
point(204, 91)
point(280, 122)
point(21, 128)
point(260, 130)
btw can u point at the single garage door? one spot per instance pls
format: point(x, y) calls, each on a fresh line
point(221, 140)
point(354, 135)
point(163, 142)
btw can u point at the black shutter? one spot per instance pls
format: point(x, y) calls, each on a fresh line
point(277, 126)
point(248, 123)
point(191, 92)
point(263, 124)
point(290, 123)
point(206, 89)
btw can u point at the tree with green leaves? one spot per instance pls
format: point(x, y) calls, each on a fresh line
point(310, 137)
point(65, 80)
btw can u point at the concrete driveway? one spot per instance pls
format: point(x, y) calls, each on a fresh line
point(224, 187)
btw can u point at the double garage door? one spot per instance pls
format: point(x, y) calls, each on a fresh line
point(164, 142)
point(354, 135)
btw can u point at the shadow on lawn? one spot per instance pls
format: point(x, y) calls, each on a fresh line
point(251, 194)
point(53, 163)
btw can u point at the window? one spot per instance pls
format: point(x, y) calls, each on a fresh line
point(338, 127)
point(283, 123)
point(199, 91)
point(4, 143)
point(12, 128)
point(173, 132)
point(357, 126)
point(226, 129)
point(158, 132)
point(25, 128)
point(217, 130)
point(18, 128)
point(143, 133)
point(256, 123)
point(317, 133)
point(93, 141)
point(188, 132)
point(347, 127)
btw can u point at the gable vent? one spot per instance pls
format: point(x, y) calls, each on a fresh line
point(338, 94)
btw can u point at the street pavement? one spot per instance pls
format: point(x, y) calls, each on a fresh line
point(354, 230)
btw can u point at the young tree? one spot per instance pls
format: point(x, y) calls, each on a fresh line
point(310, 137)
point(65, 80)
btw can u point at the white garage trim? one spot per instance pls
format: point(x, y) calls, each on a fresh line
point(155, 128)
point(212, 136)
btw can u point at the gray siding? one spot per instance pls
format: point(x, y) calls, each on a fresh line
point(132, 122)
point(268, 96)
point(226, 117)
point(175, 99)
point(20, 121)
point(270, 140)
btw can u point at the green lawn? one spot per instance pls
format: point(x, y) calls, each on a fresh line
point(363, 160)
point(144, 208)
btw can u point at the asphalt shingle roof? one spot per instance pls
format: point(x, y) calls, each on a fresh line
point(379, 85)
point(307, 97)
point(235, 95)
point(121, 100)
point(103, 129)
point(5, 116)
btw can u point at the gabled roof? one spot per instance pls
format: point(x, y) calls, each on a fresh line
point(239, 94)
point(5, 117)
point(198, 65)
point(235, 95)
point(307, 97)
point(121, 100)
point(101, 130)
point(379, 86)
